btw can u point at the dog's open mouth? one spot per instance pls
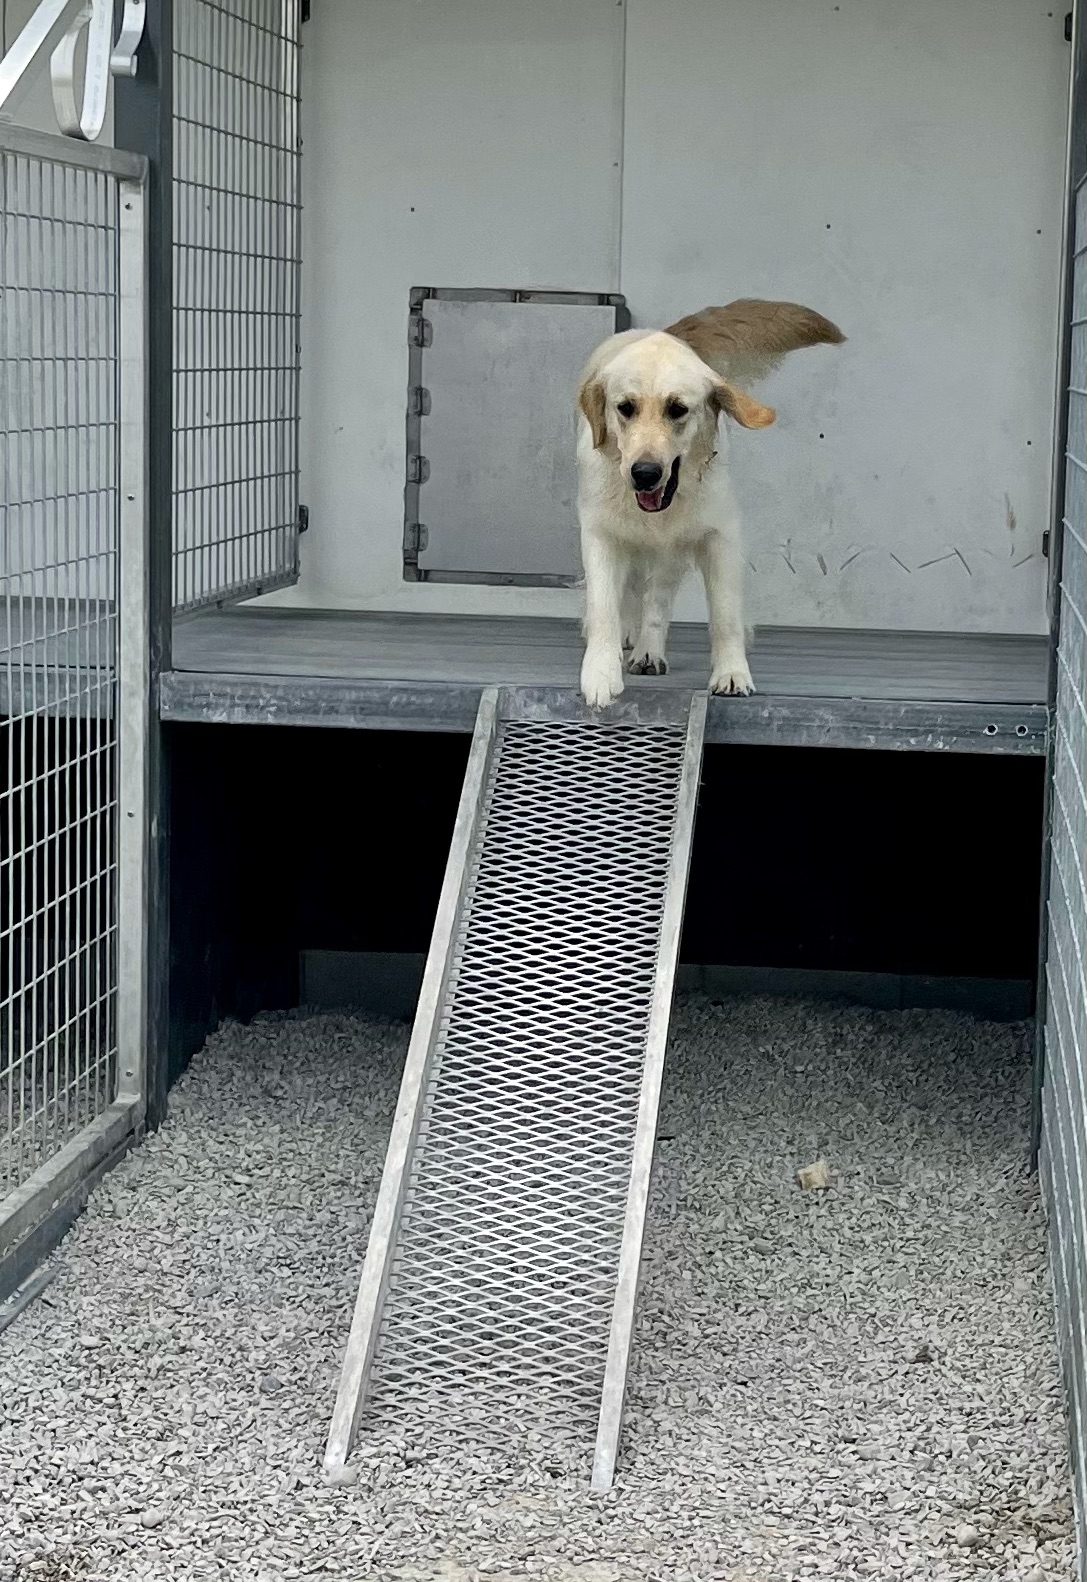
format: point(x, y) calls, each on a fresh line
point(659, 499)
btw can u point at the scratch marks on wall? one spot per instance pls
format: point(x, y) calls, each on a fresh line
point(797, 558)
point(962, 557)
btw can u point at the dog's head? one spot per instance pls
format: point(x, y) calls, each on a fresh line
point(657, 405)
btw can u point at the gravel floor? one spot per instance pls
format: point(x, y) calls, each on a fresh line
point(856, 1383)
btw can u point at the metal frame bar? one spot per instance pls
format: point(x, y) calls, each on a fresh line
point(600, 299)
point(351, 1395)
point(1057, 1089)
point(143, 122)
point(641, 1169)
point(27, 1205)
point(133, 655)
point(198, 697)
point(1076, 173)
point(60, 150)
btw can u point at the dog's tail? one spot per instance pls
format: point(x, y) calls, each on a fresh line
point(748, 339)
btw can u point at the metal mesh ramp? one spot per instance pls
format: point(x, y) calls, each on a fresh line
point(497, 1296)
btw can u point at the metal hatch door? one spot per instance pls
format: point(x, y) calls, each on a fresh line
point(491, 475)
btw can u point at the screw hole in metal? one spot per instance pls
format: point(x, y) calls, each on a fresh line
point(991, 730)
point(1020, 730)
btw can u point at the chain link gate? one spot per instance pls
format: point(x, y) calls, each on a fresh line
point(73, 669)
point(237, 298)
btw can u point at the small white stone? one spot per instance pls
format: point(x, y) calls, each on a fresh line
point(814, 1177)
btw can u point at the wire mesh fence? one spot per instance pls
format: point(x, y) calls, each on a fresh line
point(1064, 1132)
point(237, 260)
point(59, 509)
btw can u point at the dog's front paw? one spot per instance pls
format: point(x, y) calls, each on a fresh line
point(601, 679)
point(732, 680)
point(641, 663)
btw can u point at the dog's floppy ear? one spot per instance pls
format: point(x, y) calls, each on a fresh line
point(592, 401)
point(742, 408)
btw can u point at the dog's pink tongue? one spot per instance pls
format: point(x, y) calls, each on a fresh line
point(649, 499)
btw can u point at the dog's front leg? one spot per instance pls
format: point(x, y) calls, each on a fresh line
point(633, 599)
point(721, 565)
point(605, 577)
point(661, 584)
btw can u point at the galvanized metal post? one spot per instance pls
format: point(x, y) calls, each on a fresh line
point(143, 122)
point(645, 1136)
point(133, 648)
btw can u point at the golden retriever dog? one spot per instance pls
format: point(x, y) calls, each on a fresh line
point(654, 493)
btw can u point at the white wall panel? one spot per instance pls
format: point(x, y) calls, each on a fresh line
point(446, 143)
point(897, 164)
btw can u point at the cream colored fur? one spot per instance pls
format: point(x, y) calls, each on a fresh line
point(647, 397)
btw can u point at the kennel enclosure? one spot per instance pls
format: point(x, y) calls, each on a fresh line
point(265, 401)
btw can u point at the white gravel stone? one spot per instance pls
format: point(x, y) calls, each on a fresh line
point(826, 1384)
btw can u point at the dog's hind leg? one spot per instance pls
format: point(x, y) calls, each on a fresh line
point(721, 566)
point(663, 578)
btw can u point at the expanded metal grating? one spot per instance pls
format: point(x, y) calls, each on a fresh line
point(237, 281)
point(58, 655)
point(1064, 1100)
point(503, 1274)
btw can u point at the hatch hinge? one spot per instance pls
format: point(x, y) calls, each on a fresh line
point(420, 401)
point(418, 469)
point(303, 519)
point(1068, 27)
point(420, 331)
point(416, 539)
point(1045, 543)
point(303, 14)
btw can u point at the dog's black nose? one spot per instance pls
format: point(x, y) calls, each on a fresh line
point(646, 475)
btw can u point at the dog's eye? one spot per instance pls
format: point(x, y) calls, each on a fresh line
point(677, 410)
point(625, 408)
